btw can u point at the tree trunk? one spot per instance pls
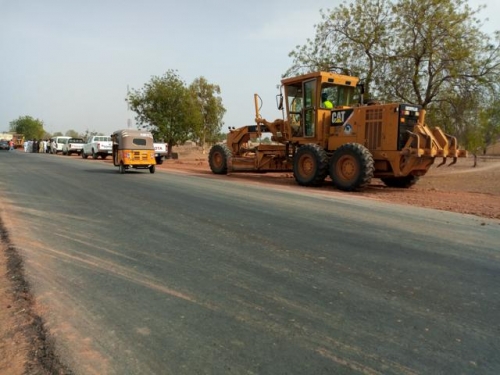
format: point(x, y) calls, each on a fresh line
point(203, 140)
point(170, 146)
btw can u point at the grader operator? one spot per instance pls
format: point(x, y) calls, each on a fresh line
point(347, 140)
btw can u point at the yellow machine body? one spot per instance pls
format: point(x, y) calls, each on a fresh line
point(348, 140)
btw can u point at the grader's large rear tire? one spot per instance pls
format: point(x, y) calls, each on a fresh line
point(351, 167)
point(400, 182)
point(219, 159)
point(310, 165)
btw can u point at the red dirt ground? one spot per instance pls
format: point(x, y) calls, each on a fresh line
point(459, 188)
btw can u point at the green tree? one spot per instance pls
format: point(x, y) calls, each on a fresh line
point(438, 51)
point(458, 114)
point(489, 120)
point(167, 108)
point(426, 52)
point(209, 104)
point(351, 40)
point(28, 126)
point(87, 134)
point(72, 133)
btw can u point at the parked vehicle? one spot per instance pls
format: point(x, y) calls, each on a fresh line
point(18, 139)
point(160, 152)
point(97, 145)
point(73, 146)
point(133, 149)
point(57, 143)
point(4, 145)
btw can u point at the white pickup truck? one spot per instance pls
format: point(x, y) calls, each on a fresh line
point(160, 152)
point(97, 145)
point(73, 145)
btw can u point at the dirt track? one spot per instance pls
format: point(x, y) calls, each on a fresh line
point(457, 188)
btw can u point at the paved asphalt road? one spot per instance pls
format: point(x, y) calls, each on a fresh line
point(175, 274)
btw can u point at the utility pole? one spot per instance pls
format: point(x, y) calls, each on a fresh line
point(129, 121)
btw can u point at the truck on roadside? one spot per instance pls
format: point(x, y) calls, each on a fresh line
point(73, 146)
point(18, 139)
point(160, 152)
point(97, 145)
point(57, 143)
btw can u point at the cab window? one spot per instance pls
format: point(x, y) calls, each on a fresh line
point(139, 141)
point(295, 104)
point(310, 108)
point(294, 98)
point(339, 95)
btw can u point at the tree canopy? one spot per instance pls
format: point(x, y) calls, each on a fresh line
point(174, 112)
point(211, 109)
point(28, 126)
point(427, 52)
point(72, 133)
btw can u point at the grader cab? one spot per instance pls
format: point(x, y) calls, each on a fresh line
point(327, 130)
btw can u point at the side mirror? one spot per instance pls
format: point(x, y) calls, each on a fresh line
point(279, 101)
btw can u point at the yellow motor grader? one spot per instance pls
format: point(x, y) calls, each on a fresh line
point(327, 130)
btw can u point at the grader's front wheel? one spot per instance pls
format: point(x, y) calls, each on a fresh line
point(219, 159)
point(351, 167)
point(310, 165)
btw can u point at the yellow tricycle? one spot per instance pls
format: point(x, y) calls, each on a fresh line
point(133, 149)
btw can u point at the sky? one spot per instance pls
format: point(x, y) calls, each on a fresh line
point(69, 63)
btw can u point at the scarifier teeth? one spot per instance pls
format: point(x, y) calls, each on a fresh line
point(453, 162)
point(443, 162)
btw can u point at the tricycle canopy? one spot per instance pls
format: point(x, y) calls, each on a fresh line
point(131, 139)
